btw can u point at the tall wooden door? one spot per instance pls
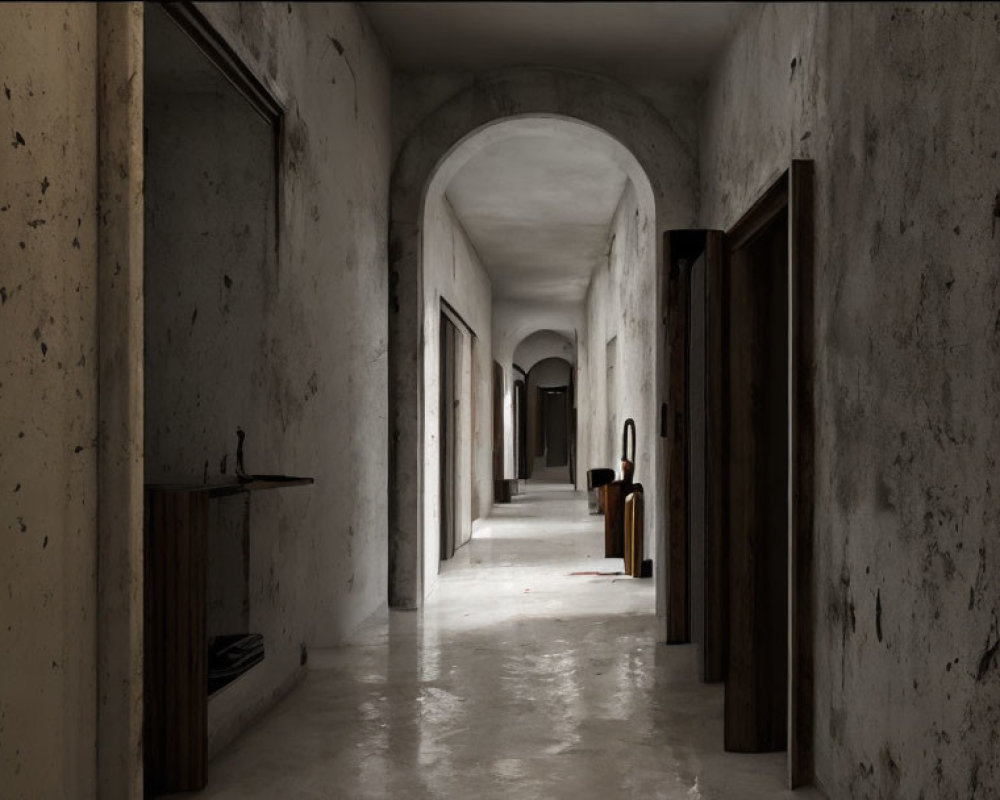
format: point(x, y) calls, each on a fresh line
point(769, 419)
point(757, 418)
point(738, 424)
point(521, 429)
point(693, 426)
point(498, 493)
point(707, 583)
point(447, 438)
point(555, 426)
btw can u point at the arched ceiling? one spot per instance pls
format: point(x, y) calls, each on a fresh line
point(541, 345)
point(538, 204)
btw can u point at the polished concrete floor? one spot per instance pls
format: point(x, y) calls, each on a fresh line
point(519, 680)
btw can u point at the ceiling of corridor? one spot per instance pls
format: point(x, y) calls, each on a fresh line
point(538, 206)
point(627, 40)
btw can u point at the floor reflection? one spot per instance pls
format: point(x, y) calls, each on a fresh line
point(518, 680)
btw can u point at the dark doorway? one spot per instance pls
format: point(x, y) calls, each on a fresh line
point(449, 404)
point(768, 434)
point(695, 542)
point(738, 431)
point(521, 429)
point(706, 577)
point(499, 494)
point(549, 420)
point(554, 403)
point(756, 418)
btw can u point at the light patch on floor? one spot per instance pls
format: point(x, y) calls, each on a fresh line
point(518, 680)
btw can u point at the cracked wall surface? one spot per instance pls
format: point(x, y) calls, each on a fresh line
point(897, 105)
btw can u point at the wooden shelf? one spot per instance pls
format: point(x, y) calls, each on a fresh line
point(176, 644)
point(256, 483)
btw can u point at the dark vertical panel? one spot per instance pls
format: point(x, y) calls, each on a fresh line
point(152, 649)
point(692, 427)
point(521, 422)
point(448, 397)
point(676, 489)
point(713, 650)
point(803, 421)
point(451, 442)
point(176, 669)
point(498, 488)
point(555, 425)
point(571, 424)
point(695, 456)
point(757, 502)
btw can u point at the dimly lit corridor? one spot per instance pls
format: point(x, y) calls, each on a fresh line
point(499, 400)
point(519, 680)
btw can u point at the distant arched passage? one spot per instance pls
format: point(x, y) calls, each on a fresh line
point(663, 170)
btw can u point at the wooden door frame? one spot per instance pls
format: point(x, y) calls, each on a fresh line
point(498, 429)
point(520, 437)
point(681, 248)
point(447, 437)
point(565, 390)
point(793, 192)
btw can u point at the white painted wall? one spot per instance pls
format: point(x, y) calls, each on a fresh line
point(453, 272)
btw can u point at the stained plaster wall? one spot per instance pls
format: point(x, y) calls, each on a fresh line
point(416, 93)
point(453, 272)
point(897, 105)
point(48, 400)
point(621, 304)
point(211, 274)
point(317, 564)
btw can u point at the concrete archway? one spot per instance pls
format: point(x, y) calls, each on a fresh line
point(543, 344)
point(659, 165)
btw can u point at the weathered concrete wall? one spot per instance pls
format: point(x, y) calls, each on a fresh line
point(120, 494)
point(897, 105)
point(211, 276)
point(317, 564)
point(48, 400)
point(453, 273)
point(416, 94)
point(211, 271)
point(620, 305)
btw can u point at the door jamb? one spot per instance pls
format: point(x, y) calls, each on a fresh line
point(794, 190)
